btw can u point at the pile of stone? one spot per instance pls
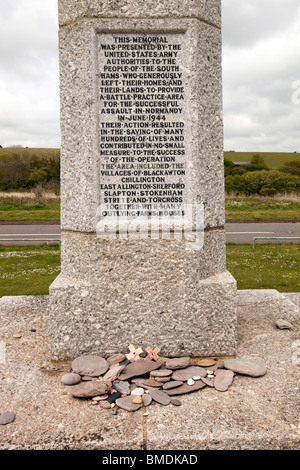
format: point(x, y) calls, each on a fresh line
point(118, 382)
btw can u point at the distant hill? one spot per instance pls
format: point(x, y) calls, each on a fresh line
point(273, 160)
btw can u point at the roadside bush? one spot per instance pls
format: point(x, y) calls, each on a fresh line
point(292, 167)
point(264, 183)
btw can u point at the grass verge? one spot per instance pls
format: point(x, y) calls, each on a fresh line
point(31, 270)
point(269, 266)
point(26, 209)
point(28, 270)
point(256, 208)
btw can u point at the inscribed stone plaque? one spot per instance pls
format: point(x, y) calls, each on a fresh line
point(143, 132)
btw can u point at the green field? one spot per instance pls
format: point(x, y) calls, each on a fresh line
point(31, 270)
point(258, 209)
point(273, 160)
point(28, 270)
point(22, 208)
point(267, 267)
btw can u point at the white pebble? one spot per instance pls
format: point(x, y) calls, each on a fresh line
point(138, 392)
point(190, 382)
point(211, 376)
point(196, 377)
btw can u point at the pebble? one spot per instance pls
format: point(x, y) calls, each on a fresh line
point(178, 363)
point(138, 392)
point(186, 388)
point(137, 399)
point(196, 377)
point(100, 398)
point(191, 382)
point(122, 387)
point(126, 404)
point(284, 325)
point(207, 381)
point(176, 402)
point(7, 418)
point(160, 397)
point(152, 383)
point(250, 367)
point(172, 384)
point(161, 373)
point(138, 368)
point(90, 389)
point(223, 380)
point(71, 379)
point(90, 365)
point(206, 362)
point(17, 336)
point(105, 405)
point(116, 359)
point(113, 373)
point(147, 399)
point(186, 374)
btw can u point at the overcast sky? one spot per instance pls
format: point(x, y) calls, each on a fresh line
point(261, 62)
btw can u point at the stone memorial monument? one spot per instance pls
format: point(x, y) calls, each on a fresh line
point(143, 245)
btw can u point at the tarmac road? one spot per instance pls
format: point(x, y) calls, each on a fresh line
point(235, 232)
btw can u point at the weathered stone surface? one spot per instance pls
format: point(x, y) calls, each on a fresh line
point(89, 365)
point(116, 359)
point(71, 379)
point(147, 399)
point(7, 417)
point(178, 363)
point(284, 324)
point(139, 391)
point(152, 383)
point(185, 374)
point(172, 384)
point(209, 382)
point(223, 379)
point(250, 367)
point(72, 10)
point(90, 389)
point(126, 404)
point(160, 397)
point(176, 402)
point(122, 387)
point(186, 388)
point(136, 369)
point(113, 373)
point(205, 362)
point(161, 373)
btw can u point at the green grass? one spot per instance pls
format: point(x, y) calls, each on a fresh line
point(31, 270)
point(255, 208)
point(28, 270)
point(25, 210)
point(273, 160)
point(268, 266)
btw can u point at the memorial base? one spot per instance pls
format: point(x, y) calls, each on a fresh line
point(149, 293)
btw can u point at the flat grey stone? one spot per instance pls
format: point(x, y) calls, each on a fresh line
point(7, 418)
point(138, 368)
point(152, 383)
point(185, 388)
point(123, 387)
point(147, 399)
point(89, 365)
point(126, 404)
point(178, 363)
point(161, 373)
point(176, 402)
point(223, 379)
point(172, 384)
point(185, 374)
point(71, 379)
point(160, 397)
point(209, 382)
point(90, 389)
point(250, 367)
